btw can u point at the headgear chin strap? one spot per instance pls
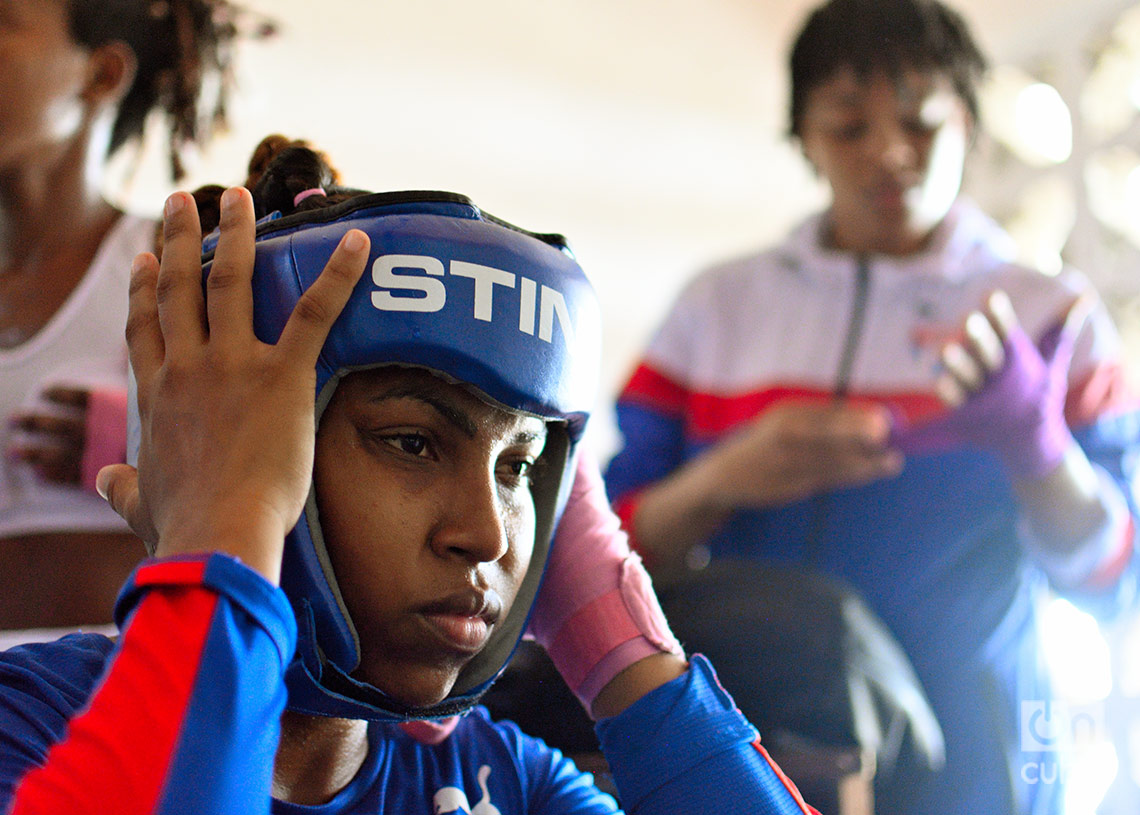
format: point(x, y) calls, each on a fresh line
point(505, 312)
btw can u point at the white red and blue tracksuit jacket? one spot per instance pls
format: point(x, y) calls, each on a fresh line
point(182, 716)
point(940, 552)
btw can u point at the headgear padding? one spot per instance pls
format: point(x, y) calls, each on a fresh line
point(505, 312)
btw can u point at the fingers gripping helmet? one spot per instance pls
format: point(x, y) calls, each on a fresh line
point(447, 288)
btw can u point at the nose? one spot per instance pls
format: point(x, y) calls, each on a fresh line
point(474, 522)
point(890, 146)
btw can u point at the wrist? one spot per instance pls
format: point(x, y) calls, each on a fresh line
point(105, 433)
point(1043, 456)
point(635, 681)
point(256, 542)
point(621, 626)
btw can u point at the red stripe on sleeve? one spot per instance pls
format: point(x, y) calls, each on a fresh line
point(172, 572)
point(808, 809)
point(115, 756)
point(1104, 390)
point(652, 388)
point(711, 415)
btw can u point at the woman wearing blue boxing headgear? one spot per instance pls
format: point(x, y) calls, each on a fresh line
point(407, 520)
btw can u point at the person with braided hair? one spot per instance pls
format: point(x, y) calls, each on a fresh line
point(80, 79)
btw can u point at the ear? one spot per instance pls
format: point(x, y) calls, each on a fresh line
point(111, 70)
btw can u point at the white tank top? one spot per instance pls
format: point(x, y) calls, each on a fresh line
point(81, 345)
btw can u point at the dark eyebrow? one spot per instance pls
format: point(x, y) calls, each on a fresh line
point(845, 97)
point(453, 414)
point(441, 406)
point(530, 436)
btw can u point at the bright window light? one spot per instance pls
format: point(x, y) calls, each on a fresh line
point(1027, 116)
point(1044, 126)
point(1092, 772)
point(1076, 652)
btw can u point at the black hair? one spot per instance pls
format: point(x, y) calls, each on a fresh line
point(279, 169)
point(176, 43)
point(891, 36)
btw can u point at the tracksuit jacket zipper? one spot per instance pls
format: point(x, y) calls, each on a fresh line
point(821, 502)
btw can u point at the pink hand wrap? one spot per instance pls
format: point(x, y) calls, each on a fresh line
point(105, 433)
point(1018, 414)
point(596, 613)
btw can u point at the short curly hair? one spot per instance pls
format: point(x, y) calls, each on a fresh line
point(891, 36)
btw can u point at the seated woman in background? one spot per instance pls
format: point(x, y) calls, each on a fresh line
point(408, 527)
point(80, 78)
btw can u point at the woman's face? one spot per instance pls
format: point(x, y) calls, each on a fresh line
point(424, 497)
point(43, 74)
point(893, 152)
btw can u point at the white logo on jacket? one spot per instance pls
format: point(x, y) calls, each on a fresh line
point(453, 799)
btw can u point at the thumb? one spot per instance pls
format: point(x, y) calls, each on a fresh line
point(1057, 343)
point(119, 486)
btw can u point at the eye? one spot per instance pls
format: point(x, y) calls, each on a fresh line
point(849, 132)
point(412, 444)
point(518, 471)
point(920, 127)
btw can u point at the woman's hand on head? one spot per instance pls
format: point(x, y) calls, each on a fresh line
point(227, 421)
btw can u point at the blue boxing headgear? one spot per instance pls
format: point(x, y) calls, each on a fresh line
point(506, 312)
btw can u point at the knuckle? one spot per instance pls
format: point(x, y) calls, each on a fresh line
point(141, 281)
point(311, 309)
point(166, 286)
point(222, 277)
point(177, 375)
point(173, 227)
point(343, 271)
point(138, 324)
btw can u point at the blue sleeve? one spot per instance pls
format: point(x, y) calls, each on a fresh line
point(554, 784)
point(652, 447)
point(186, 719)
point(685, 748)
point(42, 685)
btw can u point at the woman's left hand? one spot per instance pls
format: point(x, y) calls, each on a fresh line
point(1007, 394)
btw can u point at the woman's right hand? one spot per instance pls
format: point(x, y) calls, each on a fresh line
point(227, 422)
point(790, 452)
point(795, 450)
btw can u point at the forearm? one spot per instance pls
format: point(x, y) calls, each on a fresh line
point(686, 748)
point(678, 512)
point(1076, 516)
point(633, 683)
point(195, 682)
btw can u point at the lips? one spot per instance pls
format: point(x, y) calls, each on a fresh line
point(888, 193)
point(464, 620)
